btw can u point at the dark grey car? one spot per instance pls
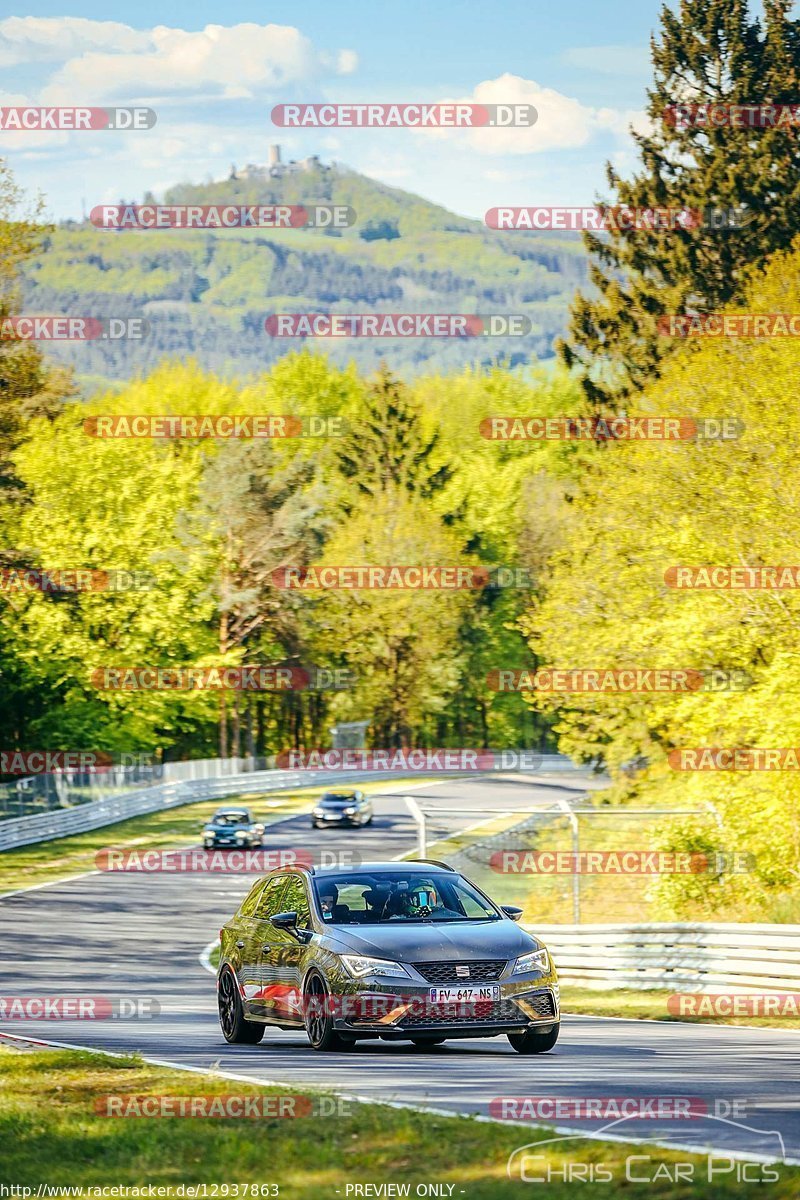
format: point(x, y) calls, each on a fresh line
point(341, 808)
point(392, 950)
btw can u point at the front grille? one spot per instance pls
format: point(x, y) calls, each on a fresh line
point(478, 1012)
point(445, 972)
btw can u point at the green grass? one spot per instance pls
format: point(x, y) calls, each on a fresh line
point(652, 1005)
point(50, 1133)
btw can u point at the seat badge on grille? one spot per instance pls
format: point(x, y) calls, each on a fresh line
point(462, 972)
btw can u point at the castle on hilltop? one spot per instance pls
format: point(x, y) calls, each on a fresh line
point(276, 169)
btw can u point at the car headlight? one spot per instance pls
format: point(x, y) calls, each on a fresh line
point(319, 812)
point(209, 833)
point(358, 965)
point(242, 833)
point(537, 960)
point(348, 812)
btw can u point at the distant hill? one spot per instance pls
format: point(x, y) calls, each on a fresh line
point(206, 293)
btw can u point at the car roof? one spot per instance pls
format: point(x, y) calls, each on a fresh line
point(367, 868)
point(231, 811)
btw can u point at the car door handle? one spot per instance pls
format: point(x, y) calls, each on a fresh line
point(240, 945)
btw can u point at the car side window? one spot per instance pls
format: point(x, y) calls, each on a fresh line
point(271, 901)
point(250, 902)
point(295, 899)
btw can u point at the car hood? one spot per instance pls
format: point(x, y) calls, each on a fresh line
point(429, 943)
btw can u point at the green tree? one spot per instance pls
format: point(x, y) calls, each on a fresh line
point(607, 603)
point(392, 445)
point(710, 51)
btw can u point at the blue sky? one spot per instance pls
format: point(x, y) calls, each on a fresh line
point(214, 72)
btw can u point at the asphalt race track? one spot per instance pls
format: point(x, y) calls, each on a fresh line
point(141, 936)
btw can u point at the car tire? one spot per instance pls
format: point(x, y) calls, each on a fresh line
point(319, 1019)
point(425, 1043)
point(232, 1021)
point(369, 822)
point(534, 1041)
point(314, 825)
point(208, 845)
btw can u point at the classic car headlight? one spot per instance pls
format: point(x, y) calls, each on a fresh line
point(242, 833)
point(358, 965)
point(319, 812)
point(537, 960)
point(349, 812)
point(209, 831)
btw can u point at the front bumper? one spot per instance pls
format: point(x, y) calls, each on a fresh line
point(395, 1010)
point(230, 843)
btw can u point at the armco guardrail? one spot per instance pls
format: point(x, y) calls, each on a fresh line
point(682, 957)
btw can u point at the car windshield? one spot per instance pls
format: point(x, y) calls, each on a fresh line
point(392, 897)
point(334, 798)
point(231, 819)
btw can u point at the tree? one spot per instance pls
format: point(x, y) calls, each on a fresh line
point(710, 52)
point(392, 446)
point(608, 603)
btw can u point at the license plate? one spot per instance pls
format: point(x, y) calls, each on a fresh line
point(457, 995)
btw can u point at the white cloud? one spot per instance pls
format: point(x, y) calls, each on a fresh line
point(106, 60)
point(56, 39)
point(563, 123)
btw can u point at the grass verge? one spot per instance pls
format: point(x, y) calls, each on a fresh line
point(52, 1134)
point(652, 1005)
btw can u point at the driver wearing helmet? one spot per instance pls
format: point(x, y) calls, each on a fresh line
point(328, 898)
point(421, 901)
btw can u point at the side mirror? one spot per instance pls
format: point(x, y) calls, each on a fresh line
point(287, 920)
point(512, 911)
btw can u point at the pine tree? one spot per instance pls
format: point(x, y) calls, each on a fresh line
point(710, 52)
point(390, 447)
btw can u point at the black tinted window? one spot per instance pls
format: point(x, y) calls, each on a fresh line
point(362, 899)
